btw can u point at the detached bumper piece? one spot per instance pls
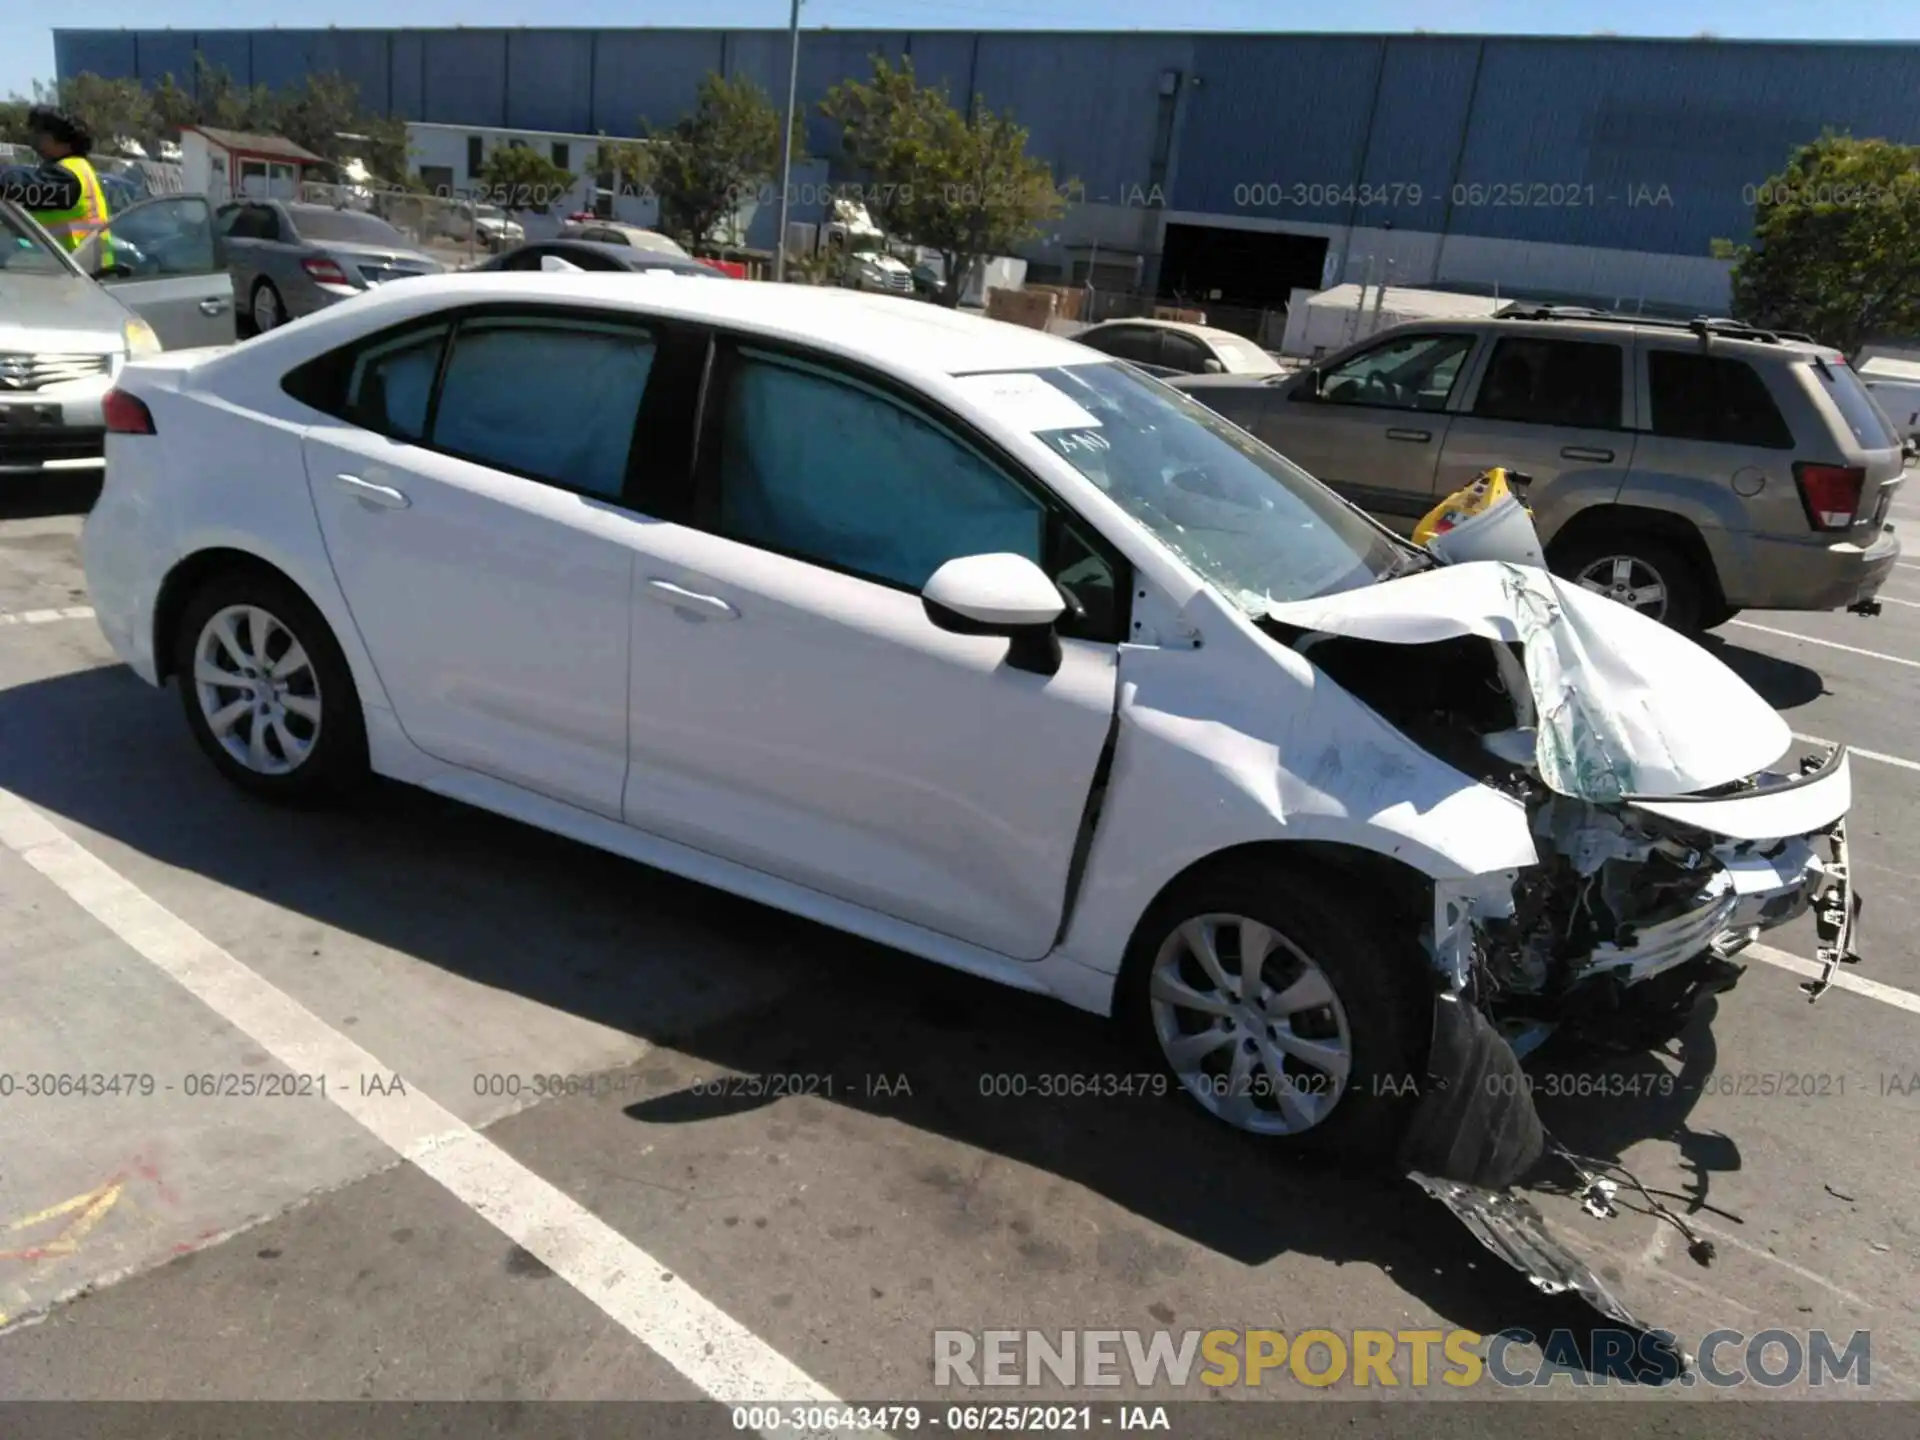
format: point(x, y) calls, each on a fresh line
point(1836, 915)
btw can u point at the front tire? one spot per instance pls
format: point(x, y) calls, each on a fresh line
point(267, 692)
point(1283, 1006)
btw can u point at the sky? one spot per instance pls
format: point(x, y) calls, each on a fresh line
point(26, 46)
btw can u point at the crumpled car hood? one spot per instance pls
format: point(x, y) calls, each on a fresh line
point(1624, 705)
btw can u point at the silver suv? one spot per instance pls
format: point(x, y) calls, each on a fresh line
point(1690, 469)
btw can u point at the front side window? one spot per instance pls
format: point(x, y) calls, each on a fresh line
point(553, 400)
point(173, 236)
point(1572, 383)
point(1255, 526)
point(1128, 342)
point(1413, 372)
point(824, 468)
point(1183, 352)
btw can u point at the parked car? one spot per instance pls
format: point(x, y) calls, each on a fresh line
point(612, 232)
point(65, 333)
point(970, 640)
point(596, 255)
point(486, 225)
point(1180, 347)
point(291, 259)
point(1688, 469)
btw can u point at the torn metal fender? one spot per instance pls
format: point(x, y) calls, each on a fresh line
point(1243, 741)
point(1625, 706)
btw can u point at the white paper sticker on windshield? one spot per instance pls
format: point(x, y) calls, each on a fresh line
point(1026, 401)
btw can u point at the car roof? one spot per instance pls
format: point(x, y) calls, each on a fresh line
point(909, 336)
point(631, 257)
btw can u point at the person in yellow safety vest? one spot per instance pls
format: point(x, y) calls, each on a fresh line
point(64, 193)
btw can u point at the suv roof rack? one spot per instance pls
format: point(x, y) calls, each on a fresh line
point(1705, 326)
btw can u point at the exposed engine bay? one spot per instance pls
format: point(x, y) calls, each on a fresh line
point(1631, 916)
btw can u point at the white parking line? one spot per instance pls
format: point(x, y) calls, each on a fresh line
point(1863, 754)
point(722, 1357)
point(1843, 978)
point(45, 617)
point(1830, 644)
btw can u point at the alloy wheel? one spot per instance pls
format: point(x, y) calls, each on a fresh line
point(1629, 580)
point(257, 689)
point(1250, 1024)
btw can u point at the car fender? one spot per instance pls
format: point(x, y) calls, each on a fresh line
point(1241, 741)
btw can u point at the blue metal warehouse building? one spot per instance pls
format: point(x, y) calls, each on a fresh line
point(1225, 166)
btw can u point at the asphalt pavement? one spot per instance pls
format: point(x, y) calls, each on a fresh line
point(415, 1104)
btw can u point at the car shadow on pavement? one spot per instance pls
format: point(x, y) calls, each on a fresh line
point(1781, 683)
point(635, 949)
point(35, 497)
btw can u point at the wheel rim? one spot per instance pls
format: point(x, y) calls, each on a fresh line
point(1629, 580)
point(266, 308)
point(257, 690)
point(1250, 1024)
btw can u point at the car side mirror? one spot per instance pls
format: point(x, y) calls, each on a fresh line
point(1307, 388)
point(1210, 366)
point(1000, 594)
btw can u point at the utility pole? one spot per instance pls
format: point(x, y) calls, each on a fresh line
point(786, 140)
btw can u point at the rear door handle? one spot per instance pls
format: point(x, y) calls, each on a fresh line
point(690, 601)
point(213, 305)
point(1583, 452)
point(383, 497)
point(1418, 437)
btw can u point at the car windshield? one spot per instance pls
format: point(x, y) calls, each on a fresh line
point(350, 227)
point(1255, 526)
point(22, 252)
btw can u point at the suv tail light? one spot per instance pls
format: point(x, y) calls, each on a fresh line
point(126, 414)
point(1830, 493)
point(326, 272)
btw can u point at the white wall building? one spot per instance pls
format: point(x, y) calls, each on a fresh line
point(450, 159)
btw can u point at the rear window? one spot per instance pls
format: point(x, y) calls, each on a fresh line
point(1714, 398)
point(1862, 412)
point(1572, 383)
point(348, 227)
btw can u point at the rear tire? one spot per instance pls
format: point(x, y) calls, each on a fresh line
point(1648, 574)
point(267, 691)
point(1338, 1003)
point(265, 308)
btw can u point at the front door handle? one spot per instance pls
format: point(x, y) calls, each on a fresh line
point(1417, 437)
point(214, 305)
point(690, 602)
point(1585, 452)
point(382, 497)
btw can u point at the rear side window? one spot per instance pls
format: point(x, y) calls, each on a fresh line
point(1858, 408)
point(1573, 383)
point(554, 401)
point(1714, 398)
point(390, 386)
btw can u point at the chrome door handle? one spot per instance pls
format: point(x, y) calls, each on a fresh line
point(1584, 452)
point(1418, 437)
point(690, 601)
point(383, 497)
point(212, 305)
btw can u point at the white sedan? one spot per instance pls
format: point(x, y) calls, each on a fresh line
point(970, 640)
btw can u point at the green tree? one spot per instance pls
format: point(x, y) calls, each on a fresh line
point(1835, 250)
point(110, 109)
point(715, 158)
point(518, 177)
point(324, 114)
point(962, 185)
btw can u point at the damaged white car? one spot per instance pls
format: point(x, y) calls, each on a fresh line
point(962, 637)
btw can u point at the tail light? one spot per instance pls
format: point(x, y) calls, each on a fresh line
point(126, 414)
point(326, 272)
point(1830, 493)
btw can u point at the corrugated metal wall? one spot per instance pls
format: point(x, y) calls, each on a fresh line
point(1640, 145)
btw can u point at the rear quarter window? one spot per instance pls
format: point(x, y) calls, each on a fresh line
point(1864, 417)
point(1714, 398)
